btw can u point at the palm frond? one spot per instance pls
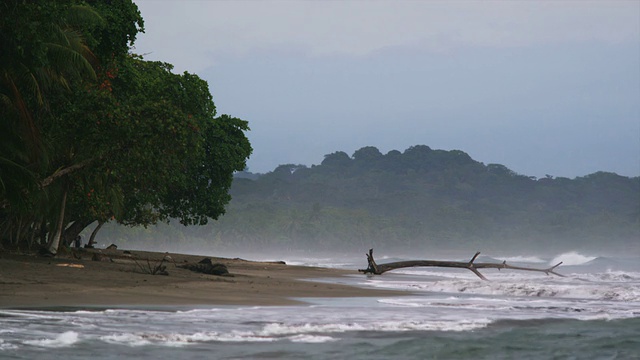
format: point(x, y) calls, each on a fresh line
point(83, 16)
point(70, 61)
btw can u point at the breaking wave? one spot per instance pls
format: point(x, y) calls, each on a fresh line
point(299, 333)
point(6, 346)
point(584, 291)
point(65, 339)
point(621, 287)
point(572, 258)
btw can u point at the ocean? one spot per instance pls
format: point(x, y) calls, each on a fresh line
point(592, 313)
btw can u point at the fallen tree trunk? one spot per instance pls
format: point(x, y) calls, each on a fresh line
point(379, 269)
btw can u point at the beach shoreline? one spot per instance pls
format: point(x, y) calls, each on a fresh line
point(78, 279)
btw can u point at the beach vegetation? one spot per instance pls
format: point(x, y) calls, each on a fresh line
point(93, 133)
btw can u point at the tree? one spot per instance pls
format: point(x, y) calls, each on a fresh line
point(164, 155)
point(367, 154)
point(43, 53)
point(337, 159)
point(134, 143)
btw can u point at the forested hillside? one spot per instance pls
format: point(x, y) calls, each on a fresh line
point(424, 199)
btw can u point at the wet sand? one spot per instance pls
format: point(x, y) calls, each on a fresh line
point(120, 279)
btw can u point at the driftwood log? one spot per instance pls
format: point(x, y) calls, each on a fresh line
point(206, 266)
point(379, 269)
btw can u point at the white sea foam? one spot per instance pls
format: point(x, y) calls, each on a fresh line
point(65, 339)
point(407, 325)
point(305, 338)
point(126, 339)
point(611, 276)
point(305, 328)
point(296, 332)
point(491, 274)
point(7, 346)
point(618, 290)
point(178, 340)
point(572, 258)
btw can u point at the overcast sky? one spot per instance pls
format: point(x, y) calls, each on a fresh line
point(541, 87)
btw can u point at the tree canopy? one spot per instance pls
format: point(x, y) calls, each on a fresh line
point(92, 132)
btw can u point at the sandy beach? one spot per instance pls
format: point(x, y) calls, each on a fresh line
point(77, 279)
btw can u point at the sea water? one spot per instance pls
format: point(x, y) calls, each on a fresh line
point(592, 313)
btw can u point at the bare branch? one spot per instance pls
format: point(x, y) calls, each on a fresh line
point(379, 269)
point(64, 171)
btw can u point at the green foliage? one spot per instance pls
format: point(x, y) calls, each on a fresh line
point(41, 54)
point(117, 137)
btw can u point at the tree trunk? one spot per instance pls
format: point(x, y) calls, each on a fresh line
point(380, 269)
point(74, 230)
point(92, 239)
point(55, 242)
point(43, 232)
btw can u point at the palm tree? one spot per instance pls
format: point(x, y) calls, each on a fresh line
point(39, 57)
point(43, 52)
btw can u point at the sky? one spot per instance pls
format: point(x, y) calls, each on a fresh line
point(542, 87)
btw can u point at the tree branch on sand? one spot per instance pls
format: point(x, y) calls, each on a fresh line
point(156, 269)
point(379, 269)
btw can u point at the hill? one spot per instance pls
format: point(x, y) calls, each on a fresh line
point(424, 199)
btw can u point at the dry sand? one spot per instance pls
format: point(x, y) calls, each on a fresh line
point(76, 280)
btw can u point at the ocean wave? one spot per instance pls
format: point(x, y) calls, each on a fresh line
point(299, 333)
point(475, 304)
point(462, 307)
point(619, 290)
point(582, 291)
point(178, 340)
point(572, 258)
point(65, 339)
point(426, 325)
point(6, 346)
point(610, 276)
point(305, 338)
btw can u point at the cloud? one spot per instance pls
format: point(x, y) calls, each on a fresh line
point(539, 86)
point(193, 34)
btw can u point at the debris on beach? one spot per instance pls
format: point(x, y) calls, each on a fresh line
point(206, 266)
